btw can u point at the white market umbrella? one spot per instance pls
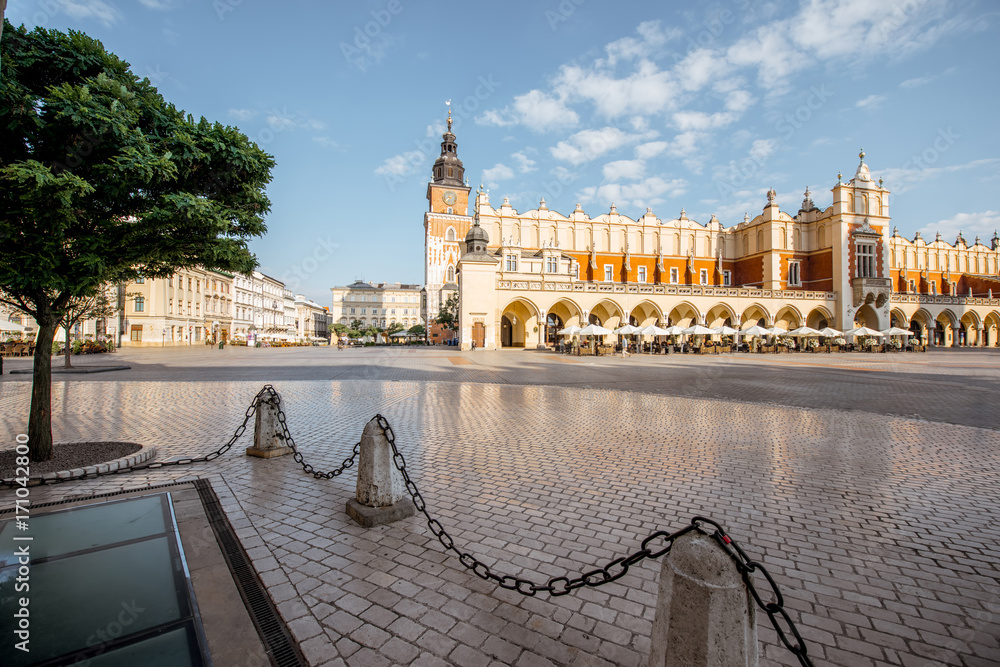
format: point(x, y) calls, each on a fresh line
point(725, 331)
point(594, 330)
point(628, 330)
point(653, 330)
point(756, 331)
point(777, 331)
point(805, 331)
point(10, 326)
point(896, 331)
point(863, 331)
point(698, 330)
point(569, 331)
point(830, 332)
point(673, 330)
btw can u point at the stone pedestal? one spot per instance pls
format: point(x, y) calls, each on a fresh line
point(381, 496)
point(268, 438)
point(705, 616)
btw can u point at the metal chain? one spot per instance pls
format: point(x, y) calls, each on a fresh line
point(774, 609)
point(251, 410)
point(615, 569)
point(296, 454)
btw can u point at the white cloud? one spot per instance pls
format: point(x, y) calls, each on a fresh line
point(496, 173)
point(650, 149)
point(91, 9)
point(761, 149)
point(899, 179)
point(648, 90)
point(700, 67)
point(970, 225)
point(524, 163)
point(403, 164)
point(588, 145)
point(535, 110)
point(642, 194)
point(628, 170)
point(872, 101)
point(279, 121)
point(651, 39)
point(242, 114)
point(160, 5)
point(924, 80)
point(329, 143)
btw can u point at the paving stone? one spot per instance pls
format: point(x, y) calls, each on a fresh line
point(852, 477)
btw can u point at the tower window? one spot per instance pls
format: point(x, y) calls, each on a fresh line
point(866, 260)
point(609, 273)
point(727, 278)
point(642, 274)
point(450, 172)
point(673, 276)
point(703, 277)
point(794, 279)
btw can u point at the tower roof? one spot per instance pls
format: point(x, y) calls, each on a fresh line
point(448, 169)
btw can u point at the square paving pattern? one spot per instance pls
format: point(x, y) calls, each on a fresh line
point(881, 529)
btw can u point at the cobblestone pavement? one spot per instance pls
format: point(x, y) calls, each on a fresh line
point(881, 529)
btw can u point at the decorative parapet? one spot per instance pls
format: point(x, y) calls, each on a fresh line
point(668, 290)
point(944, 299)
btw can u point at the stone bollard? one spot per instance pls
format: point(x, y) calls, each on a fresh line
point(381, 496)
point(268, 438)
point(704, 613)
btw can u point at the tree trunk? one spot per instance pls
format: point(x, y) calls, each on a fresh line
point(67, 353)
point(40, 415)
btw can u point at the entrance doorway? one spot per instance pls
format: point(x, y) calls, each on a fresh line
point(479, 335)
point(506, 332)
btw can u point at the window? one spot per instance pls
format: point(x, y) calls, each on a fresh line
point(673, 276)
point(392, 311)
point(512, 262)
point(140, 280)
point(609, 273)
point(449, 210)
point(450, 234)
point(352, 311)
point(727, 278)
point(933, 288)
point(576, 270)
point(189, 284)
point(451, 275)
point(189, 307)
point(866, 260)
point(642, 274)
point(552, 265)
point(912, 287)
point(170, 307)
point(794, 279)
point(140, 304)
point(136, 333)
point(703, 277)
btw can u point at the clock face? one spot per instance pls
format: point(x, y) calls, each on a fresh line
point(449, 197)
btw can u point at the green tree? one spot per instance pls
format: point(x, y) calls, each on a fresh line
point(95, 306)
point(357, 325)
point(339, 329)
point(394, 328)
point(101, 181)
point(417, 330)
point(448, 315)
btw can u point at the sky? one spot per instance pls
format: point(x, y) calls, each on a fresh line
point(701, 106)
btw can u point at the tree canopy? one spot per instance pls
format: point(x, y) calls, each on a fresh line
point(102, 180)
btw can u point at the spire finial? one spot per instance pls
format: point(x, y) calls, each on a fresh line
point(448, 102)
point(862, 155)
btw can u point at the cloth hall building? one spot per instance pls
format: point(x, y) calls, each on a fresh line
point(523, 275)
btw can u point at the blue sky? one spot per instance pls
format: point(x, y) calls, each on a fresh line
point(668, 105)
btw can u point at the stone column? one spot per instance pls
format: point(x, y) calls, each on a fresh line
point(381, 495)
point(268, 436)
point(705, 616)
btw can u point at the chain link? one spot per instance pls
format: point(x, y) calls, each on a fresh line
point(555, 586)
point(240, 430)
point(615, 569)
point(296, 454)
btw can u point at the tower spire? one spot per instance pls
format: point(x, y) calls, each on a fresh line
point(448, 102)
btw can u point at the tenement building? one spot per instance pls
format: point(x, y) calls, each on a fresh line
point(524, 275)
point(376, 304)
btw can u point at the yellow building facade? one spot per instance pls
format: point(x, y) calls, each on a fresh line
point(539, 270)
